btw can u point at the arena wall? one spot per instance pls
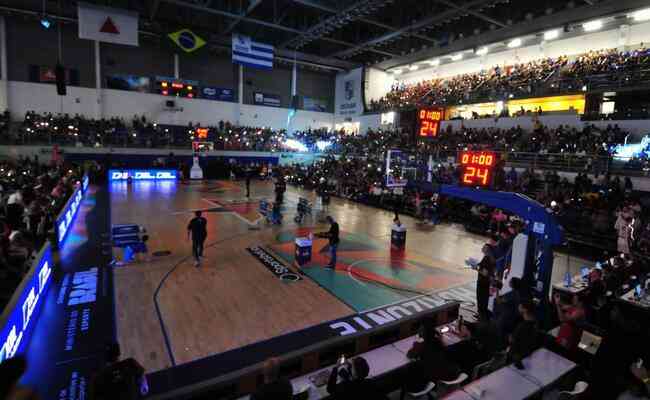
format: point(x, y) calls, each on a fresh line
point(25, 96)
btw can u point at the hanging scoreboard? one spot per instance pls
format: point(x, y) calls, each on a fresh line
point(477, 167)
point(428, 121)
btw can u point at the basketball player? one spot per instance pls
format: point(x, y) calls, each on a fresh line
point(198, 232)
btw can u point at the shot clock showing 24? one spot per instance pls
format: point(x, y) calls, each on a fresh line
point(428, 122)
point(477, 167)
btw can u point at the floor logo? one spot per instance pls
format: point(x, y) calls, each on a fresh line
point(273, 264)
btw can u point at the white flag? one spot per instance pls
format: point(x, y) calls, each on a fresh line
point(107, 24)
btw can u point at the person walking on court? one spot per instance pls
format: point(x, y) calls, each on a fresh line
point(198, 232)
point(333, 236)
point(249, 172)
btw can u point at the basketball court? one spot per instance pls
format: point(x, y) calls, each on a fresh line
point(169, 312)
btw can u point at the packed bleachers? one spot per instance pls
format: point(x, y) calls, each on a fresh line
point(595, 69)
point(31, 196)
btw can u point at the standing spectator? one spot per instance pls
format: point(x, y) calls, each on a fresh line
point(623, 226)
point(486, 269)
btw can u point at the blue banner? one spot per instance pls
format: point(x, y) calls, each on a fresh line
point(66, 216)
point(84, 183)
point(215, 93)
point(20, 315)
point(142, 174)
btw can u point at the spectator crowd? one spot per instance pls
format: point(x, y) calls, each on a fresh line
point(539, 77)
point(31, 196)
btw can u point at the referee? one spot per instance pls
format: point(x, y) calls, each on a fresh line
point(198, 232)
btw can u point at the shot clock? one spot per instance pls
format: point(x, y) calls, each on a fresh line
point(428, 121)
point(477, 167)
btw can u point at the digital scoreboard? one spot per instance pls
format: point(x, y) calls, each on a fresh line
point(428, 121)
point(477, 167)
point(176, 88)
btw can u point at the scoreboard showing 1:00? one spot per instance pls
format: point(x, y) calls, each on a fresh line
point(477, 167)
point(429, 121)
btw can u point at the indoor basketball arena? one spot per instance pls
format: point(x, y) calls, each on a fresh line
point(317, 199)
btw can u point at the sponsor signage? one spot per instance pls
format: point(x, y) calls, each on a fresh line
point(314, 104)
point(273, 264)
point(215, 93)
point(142, 174)
point(67, 215)
point(265, 99)
point(20, 315)
point(389, 314)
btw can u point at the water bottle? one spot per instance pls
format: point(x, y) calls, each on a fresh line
point(567, 279)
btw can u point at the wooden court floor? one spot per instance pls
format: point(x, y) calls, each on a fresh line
point(232, 300)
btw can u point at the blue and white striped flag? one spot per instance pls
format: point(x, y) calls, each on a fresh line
point(251, 54)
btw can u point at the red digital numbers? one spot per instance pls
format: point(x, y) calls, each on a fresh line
point(477, 167)
point(429, 121)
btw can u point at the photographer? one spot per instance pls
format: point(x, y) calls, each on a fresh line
point(348, 381)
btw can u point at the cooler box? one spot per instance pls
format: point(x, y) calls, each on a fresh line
point(303, 251)
point(398, 239)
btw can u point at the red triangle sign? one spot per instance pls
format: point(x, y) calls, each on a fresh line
point(109, 27)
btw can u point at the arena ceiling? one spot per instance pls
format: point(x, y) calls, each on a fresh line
point(348, 33)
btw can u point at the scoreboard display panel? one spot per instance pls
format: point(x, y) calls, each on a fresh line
point(176, 88)
point(428, 121)
point(477, 167)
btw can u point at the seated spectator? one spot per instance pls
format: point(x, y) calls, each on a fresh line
point(431, 361)
point(275, 387)
point(525, 338)
point(348, 381)
point(119, 379)
point(571, 318)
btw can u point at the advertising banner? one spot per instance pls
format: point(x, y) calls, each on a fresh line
point(314, 104)
point(20, 315)
point(67, 215)
point(215, 93)
point(142, 174)
point(265, 99)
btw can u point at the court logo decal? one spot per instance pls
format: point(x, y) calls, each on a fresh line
point(388, 314)
point(274, 265)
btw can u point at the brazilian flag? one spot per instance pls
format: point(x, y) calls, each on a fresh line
point(187, 40)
